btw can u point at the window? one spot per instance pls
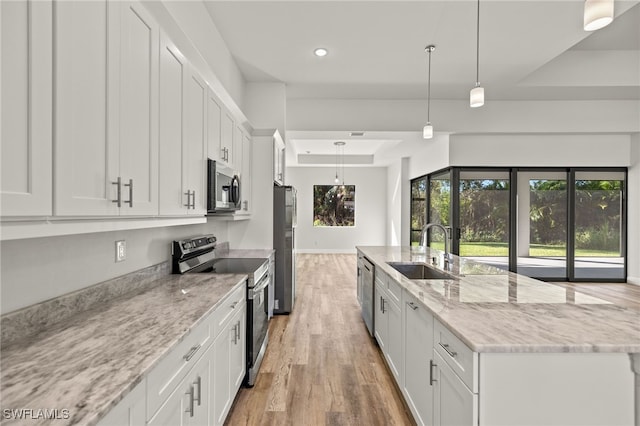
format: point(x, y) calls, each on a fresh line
point(334, 205)
point(548, 223)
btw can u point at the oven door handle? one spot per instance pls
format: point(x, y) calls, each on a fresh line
point(262, 284)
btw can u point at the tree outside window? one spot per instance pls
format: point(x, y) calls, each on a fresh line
point(334, 205)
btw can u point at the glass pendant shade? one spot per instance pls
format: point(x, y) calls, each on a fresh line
point(427, 131)
point(476, 98)
point(597, 14)
point(336, 180)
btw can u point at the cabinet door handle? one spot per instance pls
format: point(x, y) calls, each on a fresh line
point(452, 353)
point(431, 365)
point(198, 384)
point(118, 184)
point(191, 352)
point(384, 301)
point(130, 185)
point(238, 330)
point(193, 199)
point(188, 194)
point(412, 305)
point(190, 407)
point(233, 305)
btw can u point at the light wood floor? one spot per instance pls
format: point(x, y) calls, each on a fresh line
point(321, 366)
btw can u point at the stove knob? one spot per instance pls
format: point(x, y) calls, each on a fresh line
point(186, 245)
point(211, 240)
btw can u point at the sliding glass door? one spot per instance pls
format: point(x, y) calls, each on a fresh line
point(599, 242)
point(418, 209)
point(439, 207)
point(483, 199)
point(542, 224)
point(557, 224)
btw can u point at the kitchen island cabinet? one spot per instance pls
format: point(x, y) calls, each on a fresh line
point(508, 349)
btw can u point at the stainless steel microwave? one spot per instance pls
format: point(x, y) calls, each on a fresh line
point(223, 188)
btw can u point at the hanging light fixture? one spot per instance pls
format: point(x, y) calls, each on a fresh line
point(427, 131)
point(476, 97)
point(597, 14)
point(337, 145)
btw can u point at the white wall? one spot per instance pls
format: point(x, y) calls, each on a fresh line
point(371, 209)
point(512, 150)
point(633, 209)
point(265, 105)
point(399, 205)
point(38, 269)
point(456, 116)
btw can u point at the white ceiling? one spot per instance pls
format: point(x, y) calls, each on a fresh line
point(529, 50)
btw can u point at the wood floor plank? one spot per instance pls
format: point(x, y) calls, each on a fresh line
point(321, 366)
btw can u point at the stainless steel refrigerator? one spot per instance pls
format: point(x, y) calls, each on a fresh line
point(284, 243)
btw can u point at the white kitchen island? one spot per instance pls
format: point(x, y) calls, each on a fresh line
point(488, 347)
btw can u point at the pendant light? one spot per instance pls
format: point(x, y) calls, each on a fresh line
point(597, 14)
point(476, 97)
point(427, 131)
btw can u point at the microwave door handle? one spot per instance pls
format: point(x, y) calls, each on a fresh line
point(233, 190)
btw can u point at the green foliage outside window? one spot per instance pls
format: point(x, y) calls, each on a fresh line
point(334, 205)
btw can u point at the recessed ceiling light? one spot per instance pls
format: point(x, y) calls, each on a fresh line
point(320, 51)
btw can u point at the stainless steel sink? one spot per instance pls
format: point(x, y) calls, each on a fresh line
point(419, 271)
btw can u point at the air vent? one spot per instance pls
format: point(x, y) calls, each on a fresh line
point(356, 134)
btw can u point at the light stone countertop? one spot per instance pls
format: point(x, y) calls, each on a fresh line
point(493, 310)
point(90, 361)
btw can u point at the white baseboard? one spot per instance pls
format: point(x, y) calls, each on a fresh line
point(326, 251)
point(633, 280)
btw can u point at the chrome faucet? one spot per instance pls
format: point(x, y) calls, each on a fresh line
point(423, 241)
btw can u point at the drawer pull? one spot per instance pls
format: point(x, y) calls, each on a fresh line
point(190, 407)
point(198, 384)
point(412, 305)
point(233, 305)
point(192, 352)
point(449, 351)
point(431, 365)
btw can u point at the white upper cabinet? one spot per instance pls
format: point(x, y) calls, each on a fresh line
point(214, 127)
point(226, 138)
point(86, 104)
point(278, 159)
point(138, 145)
point(173, 81)
point(26, 116)
point(195, 155)
point(247, 172)
point(106, 105)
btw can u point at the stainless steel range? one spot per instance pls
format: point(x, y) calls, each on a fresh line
point(197, 255)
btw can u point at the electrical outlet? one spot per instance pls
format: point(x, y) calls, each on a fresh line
point(121, 250)
point(276, 304)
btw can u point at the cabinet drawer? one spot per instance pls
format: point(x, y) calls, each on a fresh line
point(165, 376)
point(381, 277)
point(462, 360)
point(395, 291)
point(226, 309)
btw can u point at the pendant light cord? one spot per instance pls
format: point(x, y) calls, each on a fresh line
point(478, 46)
point(429, 91)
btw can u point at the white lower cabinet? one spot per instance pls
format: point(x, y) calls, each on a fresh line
point(418, 359)
point(453, 402)
point(196, 382)
point(189, 404)
point(388, 326)
point(229, 366)
point(130, 411)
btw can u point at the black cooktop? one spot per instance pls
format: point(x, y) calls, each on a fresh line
point(235, 265)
